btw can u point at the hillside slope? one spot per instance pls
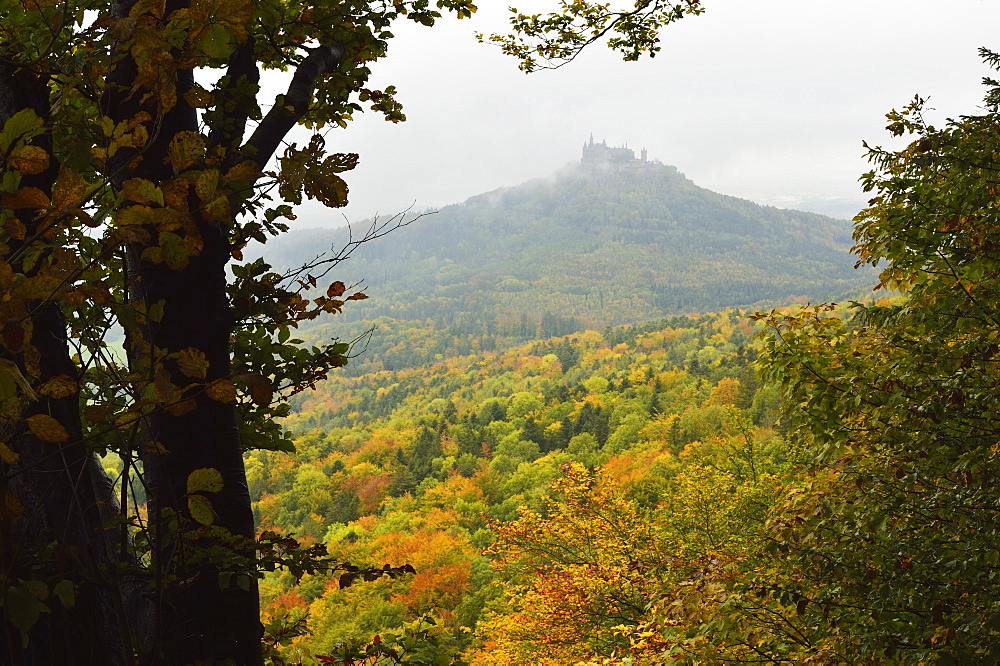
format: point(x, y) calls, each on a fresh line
point(604, 245)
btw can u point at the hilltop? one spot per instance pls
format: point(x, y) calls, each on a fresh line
point(610, 240)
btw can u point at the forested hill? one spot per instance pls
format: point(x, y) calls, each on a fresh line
point(591, 246)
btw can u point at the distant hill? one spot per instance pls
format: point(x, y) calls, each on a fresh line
point(610, 240)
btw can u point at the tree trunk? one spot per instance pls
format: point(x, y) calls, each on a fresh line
point(56, 497)
point(199, 617)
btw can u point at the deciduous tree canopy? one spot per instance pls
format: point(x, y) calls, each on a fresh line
point(137, 163)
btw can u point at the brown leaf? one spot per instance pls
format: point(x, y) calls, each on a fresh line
point(60, 386)
point(336, 289)
point(221, 390)
point(26, 197)
point(13, 336)
point(181, 408)
point(165, 389)
point(261, 391)
point(156, 448)
point(359, 296)
point(46, 428)
point(10, 507)
point(96, 413)
point(15, 229)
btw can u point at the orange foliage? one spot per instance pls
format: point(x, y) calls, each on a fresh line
point(288, 600)
point(626, 469)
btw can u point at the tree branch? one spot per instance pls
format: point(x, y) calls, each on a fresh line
point(238, 98)
point(293, 104)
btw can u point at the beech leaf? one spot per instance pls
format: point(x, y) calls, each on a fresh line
point(47, 429)
point(201, 510)
point(206, 479)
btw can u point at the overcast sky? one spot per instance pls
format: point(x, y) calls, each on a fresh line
point(763, 99)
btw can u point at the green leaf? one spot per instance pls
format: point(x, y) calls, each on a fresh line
point(65, 591)
point(23, 606)
point(216, 41)
point(18, 126)
point(201, 510)
point(206, 479)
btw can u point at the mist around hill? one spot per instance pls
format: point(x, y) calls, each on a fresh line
point(597, 244)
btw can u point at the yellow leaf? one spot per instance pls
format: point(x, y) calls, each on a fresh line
point(39, 286)
point(60, 386)
point(181, 408)
point(206, 184)
point(217, 210)
point(10, 507)
point(129, 234)
point(133, 215)
point(185, 149)
point(246, 170)
point(206, 479)
point(221, 390)
point(142, 191)
point(153, 255)
point(68, 190)
point(192, 362)
point(8, 456)
point(29, 160)
point(126, 419)
point(156, 448)
point(201, 510)
point(47, 429)
point(175, 193)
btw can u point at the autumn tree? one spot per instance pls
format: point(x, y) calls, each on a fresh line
point(601, 576)
point(133, 173)
point(888, 551)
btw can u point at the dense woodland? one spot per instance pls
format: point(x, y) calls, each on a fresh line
point(813, 484)
point(468, 468)
point(804, 485)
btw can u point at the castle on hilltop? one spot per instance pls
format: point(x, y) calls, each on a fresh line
point(603, 155)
